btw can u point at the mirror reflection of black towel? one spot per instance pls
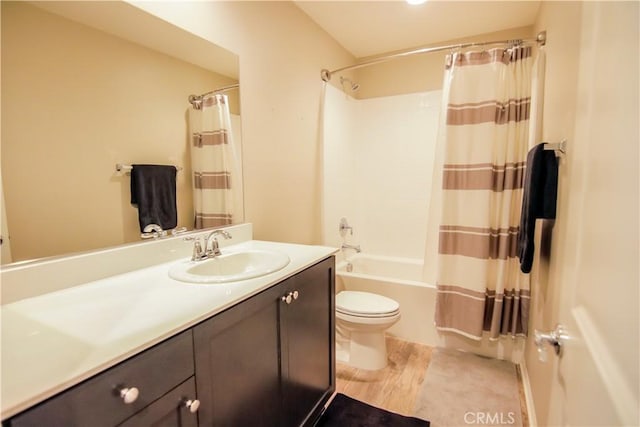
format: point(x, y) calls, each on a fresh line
point(538, 200)
point(153, 189)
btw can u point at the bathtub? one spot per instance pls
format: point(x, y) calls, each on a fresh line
point(400, 279)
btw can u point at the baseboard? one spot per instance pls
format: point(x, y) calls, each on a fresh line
point(528, 395)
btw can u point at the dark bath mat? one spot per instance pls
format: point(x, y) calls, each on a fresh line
point(344, 411)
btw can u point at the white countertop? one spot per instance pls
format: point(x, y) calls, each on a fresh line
point(55, 340)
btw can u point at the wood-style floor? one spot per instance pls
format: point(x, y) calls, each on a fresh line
point(395, 388)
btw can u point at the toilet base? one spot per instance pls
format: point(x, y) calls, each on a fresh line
point(362, 350)
point(361, 321)
point(368, 350)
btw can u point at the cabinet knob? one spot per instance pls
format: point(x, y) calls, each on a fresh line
point(192, 405)
point(295, 295)
point(287, 298)
point(129, 395)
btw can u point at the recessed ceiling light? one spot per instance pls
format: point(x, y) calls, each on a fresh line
point(416, 1)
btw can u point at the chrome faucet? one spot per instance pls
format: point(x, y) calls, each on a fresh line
point(355, 248)
point(153, 231)
point(211, 240)
point(210, 248)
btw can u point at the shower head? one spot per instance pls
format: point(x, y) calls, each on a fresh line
point(354, 86)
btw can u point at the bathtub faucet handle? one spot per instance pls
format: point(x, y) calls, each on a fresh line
point(344, 226)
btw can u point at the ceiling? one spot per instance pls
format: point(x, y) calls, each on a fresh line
point(367, 28)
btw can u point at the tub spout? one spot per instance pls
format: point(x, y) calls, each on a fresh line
point(355, 248)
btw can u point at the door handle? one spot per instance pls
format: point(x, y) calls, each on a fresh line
point(553, 339)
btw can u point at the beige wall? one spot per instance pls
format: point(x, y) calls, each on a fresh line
point(563, 25)
point(418, 73)
point(75, 101)
point(281, 54)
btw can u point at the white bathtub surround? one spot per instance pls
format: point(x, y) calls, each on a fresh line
point(378, 159)
point(57, 334)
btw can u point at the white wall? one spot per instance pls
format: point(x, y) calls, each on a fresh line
point(339, 165)
point(378, 161)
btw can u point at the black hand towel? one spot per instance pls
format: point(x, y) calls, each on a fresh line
point(153, 189)
point(539, 199)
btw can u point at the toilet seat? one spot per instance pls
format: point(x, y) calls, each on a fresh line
point(366, 305)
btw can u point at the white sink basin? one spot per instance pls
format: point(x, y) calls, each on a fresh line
point(230, 267)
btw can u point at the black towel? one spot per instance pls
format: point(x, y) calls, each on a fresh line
point(153, 189)
point(539, 199)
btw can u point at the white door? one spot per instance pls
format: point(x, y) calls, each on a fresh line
point(597, 377)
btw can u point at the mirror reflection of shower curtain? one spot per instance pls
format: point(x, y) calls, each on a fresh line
point(214, 164)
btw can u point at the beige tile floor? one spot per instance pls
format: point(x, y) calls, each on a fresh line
point(395, 388)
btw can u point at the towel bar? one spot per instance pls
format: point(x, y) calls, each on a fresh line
point(558, 146)
point(123, 168)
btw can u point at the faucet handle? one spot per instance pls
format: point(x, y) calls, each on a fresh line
point(153, 234)
point(152, 231)
point(198, 253)
point(344, 226)
point(179, 230)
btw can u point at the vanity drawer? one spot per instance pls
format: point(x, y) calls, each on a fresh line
point(169, 410)
point(96, 402)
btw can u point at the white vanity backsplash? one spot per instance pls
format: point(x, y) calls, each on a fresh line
point(28, 279)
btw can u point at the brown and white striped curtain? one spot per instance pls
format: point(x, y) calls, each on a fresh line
point(213, 162)
point(479, 283)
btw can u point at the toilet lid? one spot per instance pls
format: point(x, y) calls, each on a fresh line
point(365, 304)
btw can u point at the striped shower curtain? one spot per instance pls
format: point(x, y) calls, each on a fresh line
point(479, 283)
point(213, 162)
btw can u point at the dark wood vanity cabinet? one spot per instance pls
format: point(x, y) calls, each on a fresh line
point(267, 361)
point(160, 377)
point(270, 360)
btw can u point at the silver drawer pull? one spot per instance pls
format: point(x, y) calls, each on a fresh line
point(192, 405)
point(295, 294)
point(129, 395)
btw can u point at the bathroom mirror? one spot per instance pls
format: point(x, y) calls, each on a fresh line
point(85, 86)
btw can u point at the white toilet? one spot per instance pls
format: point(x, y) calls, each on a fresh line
point(361, 320)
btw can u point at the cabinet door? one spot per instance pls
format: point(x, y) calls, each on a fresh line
point(308, 344)
point(237, 364)
point(168, 411)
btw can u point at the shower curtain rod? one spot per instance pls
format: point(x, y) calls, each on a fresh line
point(325, 74)
point(193, 98)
